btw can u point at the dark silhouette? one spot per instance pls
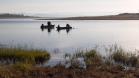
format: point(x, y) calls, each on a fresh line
point(49, 23)
point(49, 26)
point(58, 28)
point(49, 30)
point(67, 25)
point(67, 28)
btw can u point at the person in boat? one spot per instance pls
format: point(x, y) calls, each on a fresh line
point(58, 26)
point(67, 25)
point(42, 25)
point(49, 23)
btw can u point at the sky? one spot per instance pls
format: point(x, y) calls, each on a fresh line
point(69, 7)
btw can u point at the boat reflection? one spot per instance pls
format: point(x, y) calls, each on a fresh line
point(48, 29)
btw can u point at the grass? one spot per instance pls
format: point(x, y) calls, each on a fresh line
point(83, 59)
point(117, 56)
point(84, 64)
point(125, 59)
point(22, 66)
point(120, 56)
point(17, 55)
point(92, 57)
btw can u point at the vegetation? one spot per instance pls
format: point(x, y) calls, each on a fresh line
point(17, 55)
point(85, 64)
point(122, 57)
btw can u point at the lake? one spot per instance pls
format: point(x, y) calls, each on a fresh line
point(86, 34)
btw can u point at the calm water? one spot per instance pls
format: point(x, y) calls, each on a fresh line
point(85, 35)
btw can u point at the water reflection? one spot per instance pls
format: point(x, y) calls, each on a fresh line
point(48, 29)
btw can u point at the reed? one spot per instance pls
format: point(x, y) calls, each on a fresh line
point(15, 55)
point(83, 59)
point(83, 64)
point(118, 55)
point(92, 57)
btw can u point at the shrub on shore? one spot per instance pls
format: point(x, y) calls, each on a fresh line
point(117, 56)
point(92, 57)
point(120, 56)
point(125, 59)
point(83, 59)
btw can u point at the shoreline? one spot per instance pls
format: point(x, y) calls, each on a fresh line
point(117, 64)
point(122, 16)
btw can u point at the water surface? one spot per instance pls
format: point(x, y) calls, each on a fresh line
point(85, 35)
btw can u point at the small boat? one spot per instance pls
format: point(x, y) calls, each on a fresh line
point(67, 27)
point(64, 27)
point(48, 26)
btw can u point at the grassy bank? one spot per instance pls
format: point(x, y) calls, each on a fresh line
point(84, 64)
point(17, 55)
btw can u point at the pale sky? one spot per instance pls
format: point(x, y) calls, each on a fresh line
point(69, 7)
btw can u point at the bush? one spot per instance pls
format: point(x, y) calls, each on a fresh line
point(83, 59)
point(92, 57)
point(122, 57)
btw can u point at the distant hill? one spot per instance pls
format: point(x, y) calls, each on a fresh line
point(122, 16)
point(14, 16)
